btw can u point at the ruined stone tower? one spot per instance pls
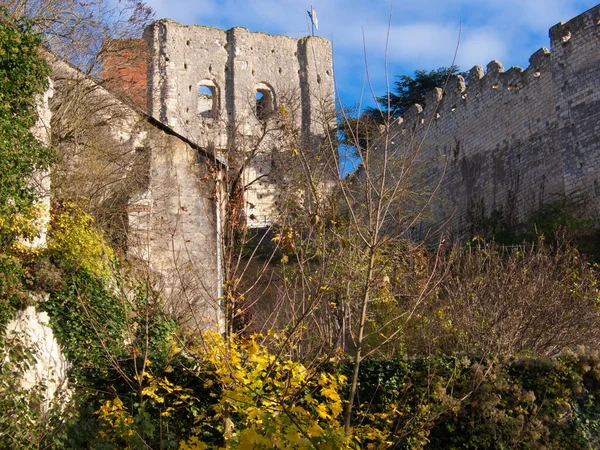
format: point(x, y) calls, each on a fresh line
point(217, 103)
point(218, 88)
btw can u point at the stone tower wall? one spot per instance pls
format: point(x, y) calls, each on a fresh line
point(155, 184)
point(232, 66)
point(508, 142)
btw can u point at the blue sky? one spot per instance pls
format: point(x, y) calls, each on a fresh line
point(423, 34)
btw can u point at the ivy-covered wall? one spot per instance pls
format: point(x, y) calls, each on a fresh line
point(23, 80)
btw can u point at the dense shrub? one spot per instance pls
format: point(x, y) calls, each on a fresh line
point(529, 299)
point(444, 402)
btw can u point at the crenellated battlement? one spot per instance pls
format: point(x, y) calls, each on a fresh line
point(511, 141)
point(576, 30)
point(480, 86)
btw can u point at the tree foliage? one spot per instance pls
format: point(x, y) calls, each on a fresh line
point(410, 90)
point(451, 402)
point(81, 31)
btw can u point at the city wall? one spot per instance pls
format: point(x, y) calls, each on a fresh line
point(504, 143)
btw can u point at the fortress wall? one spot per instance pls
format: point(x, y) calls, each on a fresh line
point(270, 62)
point(173, 226)
point(575, 65)
point(299, 72)
point(508, 139)
point(494, 141)
point(238, 62)
point(262, 58)
point(316, 86)
point(153, 182)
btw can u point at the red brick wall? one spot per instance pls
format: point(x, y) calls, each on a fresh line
point(124, 63)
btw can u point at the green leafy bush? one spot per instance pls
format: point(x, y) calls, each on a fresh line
point(23, 76)
point(452, 402)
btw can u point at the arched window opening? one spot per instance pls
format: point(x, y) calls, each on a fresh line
point(265, 103)
point(208, 99)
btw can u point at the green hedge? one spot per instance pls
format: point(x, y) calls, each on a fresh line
point(445, 402)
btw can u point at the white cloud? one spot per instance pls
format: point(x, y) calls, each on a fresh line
point(185, 11)
point(429, 45)
point(424, 43)
point(479, 47)
point(423, 34)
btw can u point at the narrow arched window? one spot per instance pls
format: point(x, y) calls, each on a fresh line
point(208, 102)
point(265, 101)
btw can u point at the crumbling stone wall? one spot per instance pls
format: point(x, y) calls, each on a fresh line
point(45, 374)
point(205, 83)
point(41, 178)
point(173, 223)
point(144, 183)
point(508, 142)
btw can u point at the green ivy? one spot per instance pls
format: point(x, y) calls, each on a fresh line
point(12, 291)
point(23, 77)
point(89, 322)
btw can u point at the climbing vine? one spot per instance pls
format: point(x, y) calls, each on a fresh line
point(23, 77)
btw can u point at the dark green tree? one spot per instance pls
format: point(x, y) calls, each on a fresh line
point(410, 90)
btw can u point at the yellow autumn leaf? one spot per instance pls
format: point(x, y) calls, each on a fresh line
point(315, 430)
point(330, 393)
point(193, 443)
point(292, 434)
point(253, 348)
point(248, 439)
point(298, 410)
point(322, 411)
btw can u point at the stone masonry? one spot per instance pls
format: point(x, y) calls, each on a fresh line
point(124, 68)
point(153, 189)
point(506, 143)
point(219, 88)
